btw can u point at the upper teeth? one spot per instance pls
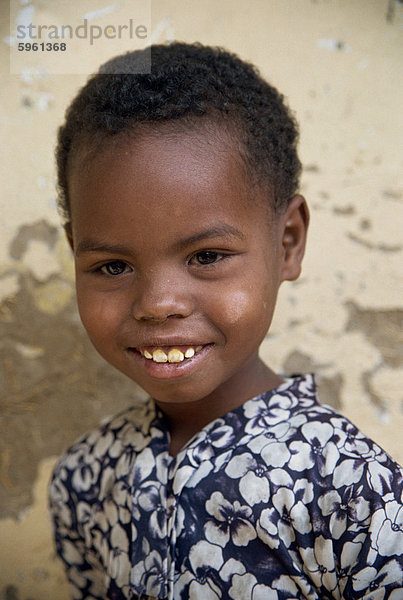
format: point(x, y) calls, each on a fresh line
point(174, 355)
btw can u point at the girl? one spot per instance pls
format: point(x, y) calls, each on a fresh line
point(179, 191)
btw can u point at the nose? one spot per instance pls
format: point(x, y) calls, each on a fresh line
point(160, 296)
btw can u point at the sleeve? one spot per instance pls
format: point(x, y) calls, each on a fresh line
point(83, 569)
point(377, 571)
point(363, 517)
point(351, 544)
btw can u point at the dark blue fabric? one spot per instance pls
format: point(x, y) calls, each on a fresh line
point(279, 499)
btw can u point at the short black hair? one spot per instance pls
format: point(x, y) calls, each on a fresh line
point(187, 82)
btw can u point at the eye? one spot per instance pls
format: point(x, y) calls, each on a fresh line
point(206, 257)
point(117, 267)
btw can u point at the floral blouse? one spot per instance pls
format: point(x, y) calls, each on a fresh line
point(282, 498)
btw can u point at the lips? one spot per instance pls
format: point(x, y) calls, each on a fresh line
point(169, 354)
point(166, 362)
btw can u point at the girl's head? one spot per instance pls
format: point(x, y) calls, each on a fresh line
point(165, 180)
point(189, 86)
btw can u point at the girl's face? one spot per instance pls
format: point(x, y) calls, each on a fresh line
point(176, 260)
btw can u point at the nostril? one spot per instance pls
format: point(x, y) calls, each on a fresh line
point(157, 319)
point(150, 318)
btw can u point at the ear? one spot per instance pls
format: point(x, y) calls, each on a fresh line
point(69, 234)
point(295, 223)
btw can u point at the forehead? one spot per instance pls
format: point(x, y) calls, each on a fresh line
point(150, 148)
point(175, 178)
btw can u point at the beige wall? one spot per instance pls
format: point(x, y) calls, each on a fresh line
point(338, 63)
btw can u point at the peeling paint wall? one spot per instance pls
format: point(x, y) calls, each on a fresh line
point(338, 62)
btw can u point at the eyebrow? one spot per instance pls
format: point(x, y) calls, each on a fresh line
point(93, 246)
point(218, 230)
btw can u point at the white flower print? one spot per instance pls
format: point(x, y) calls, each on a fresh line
point(351, 508)
point(145, 463)
point(119, 563)
point(288, 516)
point(303, 491)
point(279, 499)
point(272, 445)
point(120, 494)
point(128, 438)
point(151, 498)
point(72, 552)
point(348, 558)
point(348, 472)
point(85, 474)
point(253, 478)
point(191, 476)
point(230, 568)
point(293, 515)
point(387, 529)
point(281, 477)
point(319, 563)
point(76, 458)
point(378, 475)
point(319, 449)
point(307, 388)
point(261, 414)
point(209, 440)
point(160, 465)
point(103, 443)
point(247, 586)
point(276, 455)
point(350, 439)
point(60, 497)
point(180, 515)
point(267, 529)
point(231, 522)
point(285, 583)
point(86, 516)
point(371, 580)
point(149, 576)
point(124, 462)
point(277, 433)
point(205, 561)
point(114, 493)
point(78, 578)
point(368, 459)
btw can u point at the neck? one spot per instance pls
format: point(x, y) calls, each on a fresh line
point(186, 419)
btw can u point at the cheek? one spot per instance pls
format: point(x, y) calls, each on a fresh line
point(99, 315)
point(237, 307)
point(251, 310)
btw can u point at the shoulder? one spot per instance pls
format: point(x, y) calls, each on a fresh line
point(128, 428)
point(111, 445)
point(289, 428)
point(330, 494)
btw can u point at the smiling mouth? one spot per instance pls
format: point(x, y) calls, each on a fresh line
point(172, 354)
